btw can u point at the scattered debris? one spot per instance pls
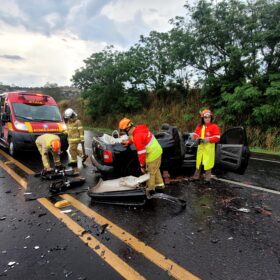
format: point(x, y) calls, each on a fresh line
point(215, 240)
point(62, 204)
point(67, 273)
point(66, 211)
point(36, 247)
point(57, 248)
point(3, 218)
point(27, 237)
point(263, 211)
point(4, 252)
point(103, 228)
point(235, 209)
point(230, 238)
point(12, 263)
point(42, 214)
point(8, 191)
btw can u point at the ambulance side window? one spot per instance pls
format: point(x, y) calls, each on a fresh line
point(2, 99)
point(7, 109)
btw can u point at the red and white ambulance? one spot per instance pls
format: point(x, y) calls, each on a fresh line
point(25, 116)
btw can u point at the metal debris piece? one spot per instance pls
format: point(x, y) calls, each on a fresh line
point(3, 218)
point(67, 273)
point(12, 263)
point(36, 247)
point(103, 228)
point(66, 211)
point(242, 209)
point(42, 214)
point(4, 252)
point(263, 211)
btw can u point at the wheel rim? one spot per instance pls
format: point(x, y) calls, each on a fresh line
point(11, 148)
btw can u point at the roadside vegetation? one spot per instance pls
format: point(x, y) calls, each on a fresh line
point(225, 56)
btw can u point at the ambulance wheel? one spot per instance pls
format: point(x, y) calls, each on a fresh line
point(12, 150)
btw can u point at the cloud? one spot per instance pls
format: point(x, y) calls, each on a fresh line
point(11, 57)
point(46, 41)
point(46, 58)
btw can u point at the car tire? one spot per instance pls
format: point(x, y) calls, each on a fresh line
point(12, 149)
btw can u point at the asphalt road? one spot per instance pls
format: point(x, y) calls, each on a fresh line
point(227, 231)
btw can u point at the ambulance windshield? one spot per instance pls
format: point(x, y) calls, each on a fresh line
point(36, 112)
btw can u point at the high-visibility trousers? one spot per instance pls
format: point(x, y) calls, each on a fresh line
point(155, 175)
point(74, 152)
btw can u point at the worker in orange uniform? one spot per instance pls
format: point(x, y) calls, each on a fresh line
point(206, 135)
point(149, 152)
point(49, 143)
point(75, 132)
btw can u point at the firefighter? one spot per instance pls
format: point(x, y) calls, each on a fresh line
point(206, 135)
point(49, 143)
point(75, 133)
point(149, 152)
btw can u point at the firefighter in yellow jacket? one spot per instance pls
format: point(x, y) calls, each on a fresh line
point(49, 143)
point(75, 133)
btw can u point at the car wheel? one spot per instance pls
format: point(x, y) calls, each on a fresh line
point(12, 150)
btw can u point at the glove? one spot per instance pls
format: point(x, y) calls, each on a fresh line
point(198, 141)
point(143, 170)
point(205, 140)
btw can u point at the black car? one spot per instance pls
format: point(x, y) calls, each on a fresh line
point(116, 160)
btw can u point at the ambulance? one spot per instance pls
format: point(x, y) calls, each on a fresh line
point(25, 116)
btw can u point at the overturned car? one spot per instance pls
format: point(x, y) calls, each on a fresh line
point(113, 160)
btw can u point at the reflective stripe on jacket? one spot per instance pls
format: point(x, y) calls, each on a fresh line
point(75, 131)
point(206, 151)
point(147, 146)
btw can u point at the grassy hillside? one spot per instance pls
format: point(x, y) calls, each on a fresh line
point(183, 114)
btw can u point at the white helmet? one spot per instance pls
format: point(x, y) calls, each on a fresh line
point(70, 113)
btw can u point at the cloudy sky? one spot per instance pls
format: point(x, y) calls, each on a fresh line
point(47, 40)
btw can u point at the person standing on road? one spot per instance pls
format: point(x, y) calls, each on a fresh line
point(49, 143)
point(149, 152)
point(206, 135)
point(75, 132)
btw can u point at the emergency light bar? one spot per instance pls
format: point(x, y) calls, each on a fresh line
point(42, 98)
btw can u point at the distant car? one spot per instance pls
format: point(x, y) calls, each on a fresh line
point(116, 160)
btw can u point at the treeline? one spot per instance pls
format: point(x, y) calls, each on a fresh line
point(57, 92)
point(229, 51)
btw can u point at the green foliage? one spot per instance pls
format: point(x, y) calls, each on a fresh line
point(229, 48)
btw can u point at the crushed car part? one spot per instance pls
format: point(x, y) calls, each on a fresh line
point(128, 191)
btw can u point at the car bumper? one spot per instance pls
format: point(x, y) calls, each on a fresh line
point(26, 141)
point(102, 168)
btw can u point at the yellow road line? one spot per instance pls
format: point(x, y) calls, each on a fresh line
point(17, 163)
point(160, 260)
point(13, 174)
point(108, 256)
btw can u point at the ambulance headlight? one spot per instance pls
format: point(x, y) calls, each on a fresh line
point(64, 127)
point(20, 126)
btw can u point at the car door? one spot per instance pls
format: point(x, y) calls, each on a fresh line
point(232, 152)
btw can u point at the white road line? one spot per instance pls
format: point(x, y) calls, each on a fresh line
point(274, 161)
point(248, 186)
